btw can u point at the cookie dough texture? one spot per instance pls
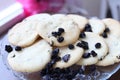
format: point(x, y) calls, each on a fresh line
point(43, 17)
point(97, 25)
point(80, 20)
point(114, 52)
point(75, 55)
point(92, 39)
point(114, 27)
point(23, 34)
point(113, 41)
point(32, 58)
point(70, 34)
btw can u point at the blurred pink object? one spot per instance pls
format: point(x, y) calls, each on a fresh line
point(37, 6)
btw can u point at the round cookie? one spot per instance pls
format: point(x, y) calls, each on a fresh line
point(113, 26)
point(58, 32)
point(95, 48)
point(69, 56)
point(32, 58)
point(80, 20)
point(23, 34)
point(97, 26)
point(58, 16)
point(114, 52)
point(38, 17)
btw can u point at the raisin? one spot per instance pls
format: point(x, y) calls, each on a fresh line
point(107, 30)
point(61, 30)
point(88, 28)
point(93, 53)
point(59, 33)
point(86, 55)
point(55, 51)
point(60, 39)
point(54, 34)
point(18, 48)
point(104, 35)
point(66, 57)
point(8, 48)
point(82, 35)
point(85, 45)
point(97, 45)
point(70, 46)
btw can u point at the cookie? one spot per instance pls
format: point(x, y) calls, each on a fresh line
point(23, 34)
point(95, 48)
point(80, 20)
point(112, 27)
point(59, 32)
point(32, 58)
point(38, 17)
point(69, 56)
point(58, 16)
point(114, 52)
point(97, 26)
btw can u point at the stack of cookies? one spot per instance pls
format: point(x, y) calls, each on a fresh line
point(53, 43)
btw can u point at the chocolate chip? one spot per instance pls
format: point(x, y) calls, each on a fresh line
point(70, 46)
point(98, 45)
point(93, 53)
point(18, 48)
point(60, 39)
point(104, 35)
point(8, 48)
point(107, 30)
point(86, 55)
point(61, 30)
point(54, 34)
point(88, 28)
point(82, 35)
point(66, 57)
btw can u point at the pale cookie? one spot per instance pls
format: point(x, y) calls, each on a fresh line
point(69, 56)
point(38, 17)
point(32, 58)
point(58, 16)
point(59, 32)
point(95, 48)
point(113, 26)
point(23, 34)
point(80, 20)
point(97, 26)
point(114, 52)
